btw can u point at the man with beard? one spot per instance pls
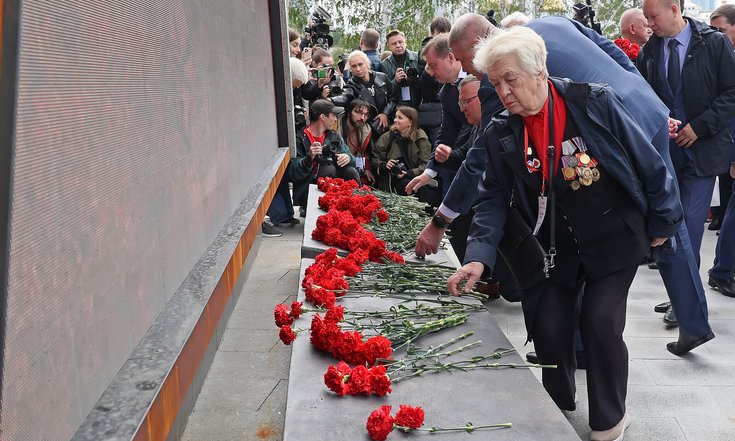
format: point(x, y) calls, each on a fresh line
point(352, 125)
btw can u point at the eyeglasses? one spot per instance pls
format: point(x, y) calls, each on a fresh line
point(367, 114)
point(465, 103)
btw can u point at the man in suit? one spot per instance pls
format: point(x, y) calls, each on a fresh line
point(579, 53)
point(721, 273)
point(690, 66)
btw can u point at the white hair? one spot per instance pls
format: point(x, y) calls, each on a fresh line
point(359, 54)
point(467, 80)
point(299, 72)
point(518, 41)
point(517, 18)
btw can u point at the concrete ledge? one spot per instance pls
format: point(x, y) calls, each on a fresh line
point(154, 391)
point(482, 396)
point(311, 248)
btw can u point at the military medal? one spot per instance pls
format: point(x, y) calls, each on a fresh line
point(583, 158)
point(586, 181)
point(586, 173)
point(595, 175)
point(569, 173)
point(575, 185)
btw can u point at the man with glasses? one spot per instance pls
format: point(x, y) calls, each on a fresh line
point(353, 125)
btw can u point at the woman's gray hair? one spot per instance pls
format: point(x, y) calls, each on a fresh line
point(299, 72)
point(517, 18)
point(524, 43)
point(359, 54)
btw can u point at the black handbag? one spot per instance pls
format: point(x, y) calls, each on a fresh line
point(520, 248)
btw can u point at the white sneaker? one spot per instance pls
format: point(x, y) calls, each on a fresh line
point(614, 434)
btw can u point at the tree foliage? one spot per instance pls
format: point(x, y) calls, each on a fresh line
point(351, 17)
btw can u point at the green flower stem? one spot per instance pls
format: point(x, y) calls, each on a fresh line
point(469, 428)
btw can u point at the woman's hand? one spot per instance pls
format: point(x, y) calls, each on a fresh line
point(390, 164)
point(470, 272)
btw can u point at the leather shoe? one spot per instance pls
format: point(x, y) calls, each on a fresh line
point(653, 266)
point(687, 342)
point(491, 290)
point(725, 286)
point(715, 225)
point(670, 317)
point(532, 358)
point(662, 307)
point(614, 433)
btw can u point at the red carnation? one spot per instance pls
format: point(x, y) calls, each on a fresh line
point(379, 381)
point(410, 417)
point(296, 310)
point(380, 423)
point(287, 335)
point(335, 315)
point(281, 315)
point(334, 378)
point(382, 216)
point(359, 381)
point(376, 347)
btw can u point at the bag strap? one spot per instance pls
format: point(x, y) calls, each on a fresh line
point(549, 259)
point(403, 145)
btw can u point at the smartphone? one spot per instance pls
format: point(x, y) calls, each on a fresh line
point(321, 73)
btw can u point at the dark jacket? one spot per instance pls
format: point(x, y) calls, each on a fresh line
point(302, 170)
point(374, 57)
point(381, 100)
point(387, 148)
point(708, 76)
point(390, 65)
point(614, 138)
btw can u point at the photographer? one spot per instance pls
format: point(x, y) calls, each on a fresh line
point(401, 153)
point(402, 67)
point(323, 79)
point(320, 151)
point(373, 87)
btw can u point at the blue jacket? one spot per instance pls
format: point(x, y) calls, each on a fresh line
point(616, 141)
point(578, 53)
point(708, 76)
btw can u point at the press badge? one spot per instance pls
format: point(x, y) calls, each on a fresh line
point(406, 93)
point(542, 200)
point(360, 162)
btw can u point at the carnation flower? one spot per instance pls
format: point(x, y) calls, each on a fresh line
point(287, 335)
point(281, 315)
point(296, 309)
point(410, 417)
point(380, 423)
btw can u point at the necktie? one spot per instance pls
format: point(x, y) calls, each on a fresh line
point(674, 72)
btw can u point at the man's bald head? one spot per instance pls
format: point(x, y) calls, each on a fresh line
point(634, 27)
point(466, 32)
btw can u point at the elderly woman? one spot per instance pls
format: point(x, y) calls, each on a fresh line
point(372, 87)
point(597, 199)
point(401, 153)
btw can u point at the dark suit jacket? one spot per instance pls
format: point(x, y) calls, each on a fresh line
point(708, 79)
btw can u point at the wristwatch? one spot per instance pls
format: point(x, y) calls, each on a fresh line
point(439, 221)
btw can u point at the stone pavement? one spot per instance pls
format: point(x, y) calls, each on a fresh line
point(669, 398)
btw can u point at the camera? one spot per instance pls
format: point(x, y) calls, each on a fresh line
point(329, 154)
point(335, 87)
point(299, 117)
point(584, 14)
point(398, 168)
point(412, 73)
point(317, 33)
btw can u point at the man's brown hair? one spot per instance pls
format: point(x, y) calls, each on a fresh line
point(441, 25)
point(727, 10)
point(370, 38)
point(440, 46)
point(393, 33)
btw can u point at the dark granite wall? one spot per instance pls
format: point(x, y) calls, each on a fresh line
point(140, 127)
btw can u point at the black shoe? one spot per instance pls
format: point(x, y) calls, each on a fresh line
point(726, 287)
point(302, 211)
point(581, 363)
point(687, 342)
point(532, 358)
point(670, 317)
point(662, 307)
point(289, 223)
point(269, 230)
point(653, 266)
point(648, 259)
point(715, 224)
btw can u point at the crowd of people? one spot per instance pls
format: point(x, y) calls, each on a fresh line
point(601, 155)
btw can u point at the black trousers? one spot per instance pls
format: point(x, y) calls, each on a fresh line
point(601, 324)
